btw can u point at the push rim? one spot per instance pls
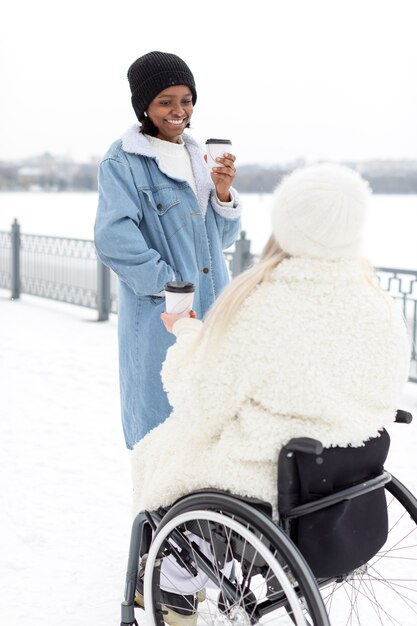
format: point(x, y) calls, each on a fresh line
point(286, 558)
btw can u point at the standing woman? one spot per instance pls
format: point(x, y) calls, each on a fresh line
point(162, 215)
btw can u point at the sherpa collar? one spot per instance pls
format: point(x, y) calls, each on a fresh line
point(135, 142)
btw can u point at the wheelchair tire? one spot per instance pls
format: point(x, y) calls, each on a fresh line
point(202, 535)
point(384, 590)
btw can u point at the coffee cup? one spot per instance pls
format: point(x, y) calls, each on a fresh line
point(216, 148)
point(179, 296)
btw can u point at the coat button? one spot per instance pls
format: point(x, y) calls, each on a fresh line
point(206, 270)
point(159, 206)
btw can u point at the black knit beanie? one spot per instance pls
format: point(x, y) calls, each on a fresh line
point(154, 72)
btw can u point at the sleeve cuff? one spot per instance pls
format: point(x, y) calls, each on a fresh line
point(231, 210)
point(187, 325)
point(231, 202)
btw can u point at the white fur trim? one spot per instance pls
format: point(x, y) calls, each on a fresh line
point(134, 142)
point(232, 211)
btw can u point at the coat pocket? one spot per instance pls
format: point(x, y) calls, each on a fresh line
point(166, 210)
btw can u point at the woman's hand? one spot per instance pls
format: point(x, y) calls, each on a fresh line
point(169, 319)
point(223, 177)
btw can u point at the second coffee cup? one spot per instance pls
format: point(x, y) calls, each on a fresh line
point(216, 148)
point(179, 296)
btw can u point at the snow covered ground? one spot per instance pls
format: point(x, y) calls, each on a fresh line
point(65, 487)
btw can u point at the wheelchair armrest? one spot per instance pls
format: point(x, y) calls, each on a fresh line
point(403, 417)
point(304, 444)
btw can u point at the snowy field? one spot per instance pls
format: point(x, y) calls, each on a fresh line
point(65, 476)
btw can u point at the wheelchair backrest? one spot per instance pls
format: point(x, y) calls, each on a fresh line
point(336, 539)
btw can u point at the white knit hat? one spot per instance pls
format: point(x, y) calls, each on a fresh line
point(319, 212)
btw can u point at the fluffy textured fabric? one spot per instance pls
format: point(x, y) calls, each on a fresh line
point(316, 351)
point(154, 72)
point(319, 212)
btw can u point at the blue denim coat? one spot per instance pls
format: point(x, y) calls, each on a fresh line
point(149, 229)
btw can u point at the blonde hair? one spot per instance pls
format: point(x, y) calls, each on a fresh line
point(227, 305)
point(224, 310)
point(372, 279)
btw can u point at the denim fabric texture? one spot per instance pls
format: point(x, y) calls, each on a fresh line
point(149, 228)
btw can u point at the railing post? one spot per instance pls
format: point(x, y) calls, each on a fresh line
point(15, 252)
point(242, 257)
point(103, 292)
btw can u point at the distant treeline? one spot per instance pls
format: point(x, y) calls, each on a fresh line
point(262, 179)
point(49, 173)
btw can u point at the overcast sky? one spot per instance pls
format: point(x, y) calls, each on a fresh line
point(316, 79)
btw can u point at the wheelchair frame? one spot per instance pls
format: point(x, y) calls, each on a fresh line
point(291, 585)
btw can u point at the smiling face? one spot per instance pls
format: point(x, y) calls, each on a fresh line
point(171, 111)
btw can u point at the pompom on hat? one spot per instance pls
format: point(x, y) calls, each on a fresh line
point(319, 212)
point(152, 73)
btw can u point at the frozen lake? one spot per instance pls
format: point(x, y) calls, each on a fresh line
point(390, 232)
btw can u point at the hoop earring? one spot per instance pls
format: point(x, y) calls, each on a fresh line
point(145, 114)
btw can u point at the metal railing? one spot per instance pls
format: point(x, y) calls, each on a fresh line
point(402, 286)
point(68, 270)
point(57, 268)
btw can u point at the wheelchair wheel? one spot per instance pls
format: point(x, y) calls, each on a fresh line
point(219, 561)
point(383, 591)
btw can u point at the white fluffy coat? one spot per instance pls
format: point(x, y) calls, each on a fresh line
point(316, 351)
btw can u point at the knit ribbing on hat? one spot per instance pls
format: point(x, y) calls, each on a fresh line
point(152, 73)
point(319, 212)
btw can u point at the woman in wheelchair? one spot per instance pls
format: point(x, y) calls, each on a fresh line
point(303, 344)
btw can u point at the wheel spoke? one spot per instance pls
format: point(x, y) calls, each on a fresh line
point(245, 583)
point(384, 591)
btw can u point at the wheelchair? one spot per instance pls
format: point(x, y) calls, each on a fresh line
point(342, 551)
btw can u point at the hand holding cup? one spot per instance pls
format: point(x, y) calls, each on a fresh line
point(223, 170)
point(169, 319)
point(179, 296)
point(217, 148)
